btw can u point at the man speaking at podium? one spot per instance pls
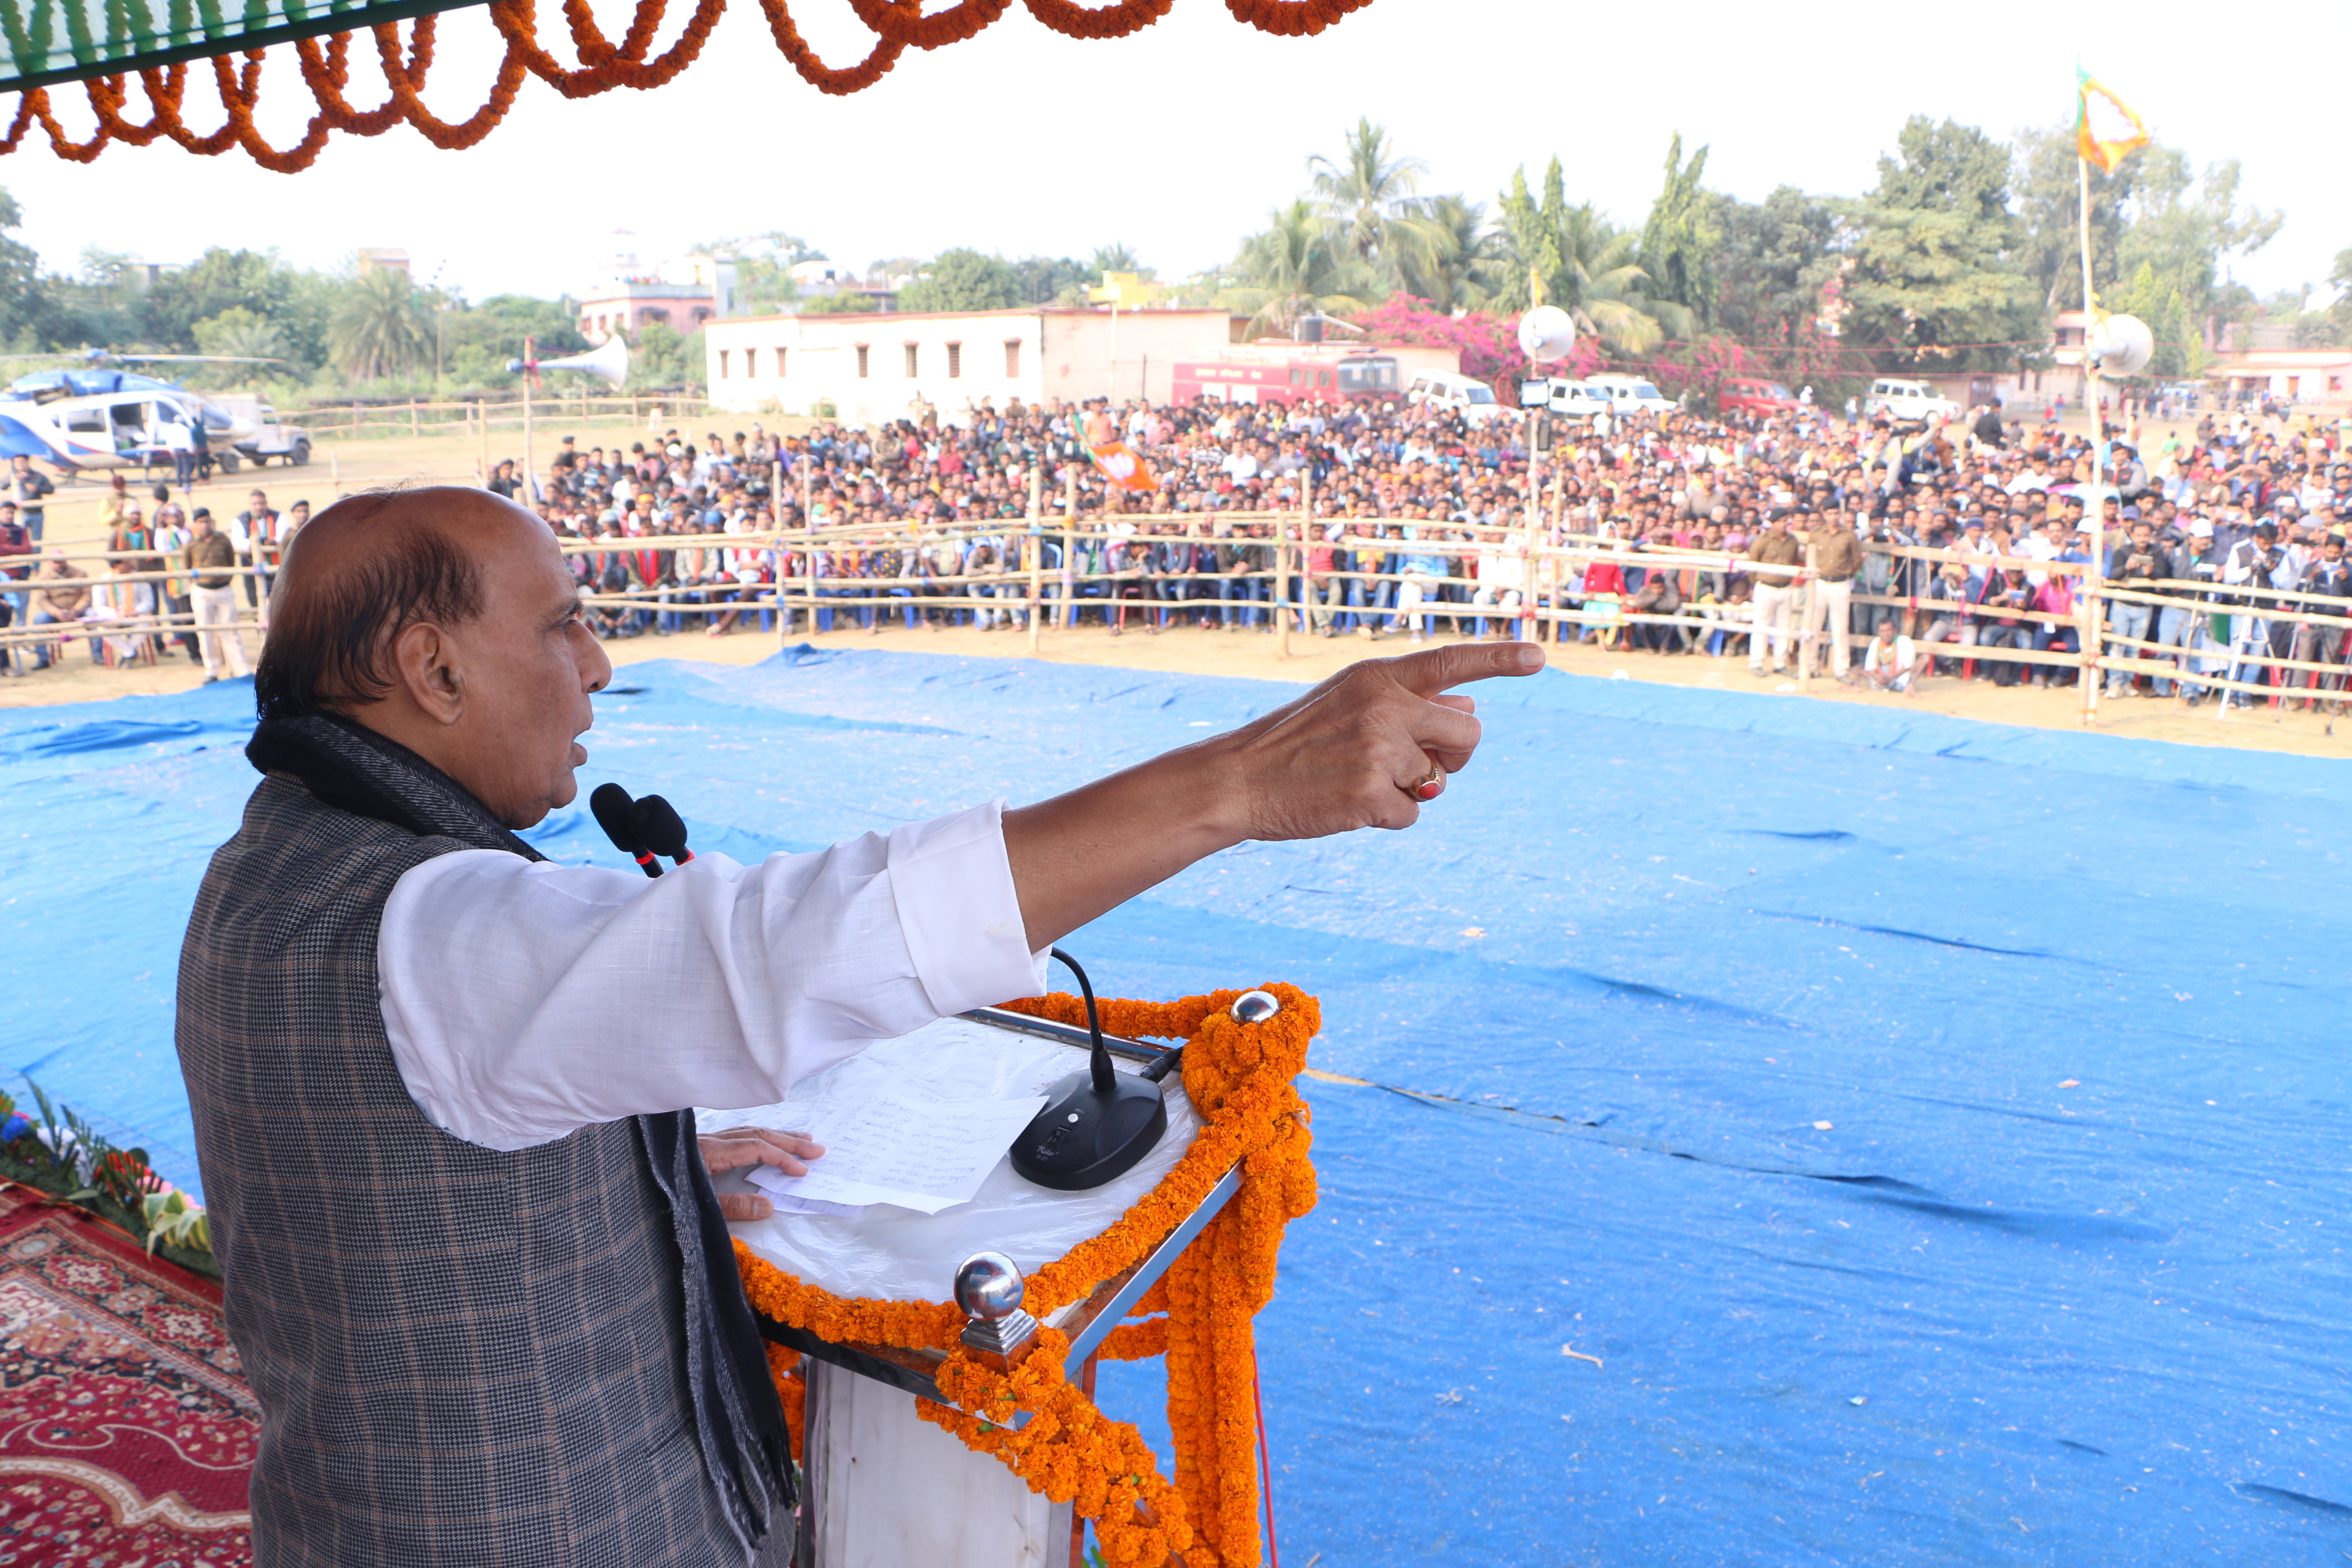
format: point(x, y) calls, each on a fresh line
point(443, 1088)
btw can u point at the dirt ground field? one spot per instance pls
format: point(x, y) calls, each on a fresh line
point(345, 465)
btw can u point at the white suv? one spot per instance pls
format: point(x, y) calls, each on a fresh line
point(1627, 395)
point(1911, 402)
point(1571, 400)
point(1466, 395)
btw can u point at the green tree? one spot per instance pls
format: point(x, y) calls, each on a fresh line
point(664, 358)
point(1464, 265)
point(501, 322)
point(2187, 230)
point(1680, 238)
point(2049, 208)
point(1044, 279)
point(1774, 259)
point(2339, 277)
point(1935, 278)
point(99, 305)
point(298, 302)
point(962, 279)
point(1368, 196)
point(242, 335)
point(26, 307)
point(2179, 350)
point(377, 330)
point(1574, 257)
point(1116, 258)
point(1298, 264)
point(844, 302)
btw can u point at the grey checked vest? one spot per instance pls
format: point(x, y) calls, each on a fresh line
point(462, 1356)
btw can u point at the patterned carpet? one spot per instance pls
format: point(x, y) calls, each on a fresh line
point(125, 1430)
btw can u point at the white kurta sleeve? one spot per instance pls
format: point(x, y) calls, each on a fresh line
point(525, 1000)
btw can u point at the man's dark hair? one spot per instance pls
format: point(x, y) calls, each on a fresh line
point(329, 642)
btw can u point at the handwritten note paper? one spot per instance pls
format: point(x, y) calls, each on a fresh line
point(919, 1154)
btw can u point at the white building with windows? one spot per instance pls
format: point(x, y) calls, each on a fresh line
point(870, 369)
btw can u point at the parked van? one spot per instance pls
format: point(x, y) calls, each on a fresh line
point(1466, 395)
point(1628, 395)
point(1572, 400)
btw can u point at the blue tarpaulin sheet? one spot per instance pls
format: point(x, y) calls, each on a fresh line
point(1936, 1132)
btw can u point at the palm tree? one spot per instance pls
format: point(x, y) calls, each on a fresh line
point(1576, 258)
point(377, 329)
point(1463, 267)
point(1117, 257)
point(1296, 265)
point(1367, 193)
point(1604, 286)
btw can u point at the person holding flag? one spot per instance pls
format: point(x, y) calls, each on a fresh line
point(1121, 465)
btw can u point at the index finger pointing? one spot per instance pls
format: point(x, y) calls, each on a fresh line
point(1431, 671)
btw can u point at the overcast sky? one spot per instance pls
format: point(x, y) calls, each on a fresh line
point(1180, 139)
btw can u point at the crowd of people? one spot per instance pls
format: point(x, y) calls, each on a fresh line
point(167, 583)
point(1928, 550)
point(1896, 537)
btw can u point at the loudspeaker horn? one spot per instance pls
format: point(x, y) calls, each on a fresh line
point(2121, 345)
point(610, 362)
point(1546, 332)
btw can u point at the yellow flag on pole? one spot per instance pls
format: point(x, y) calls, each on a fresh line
point(2107, 152)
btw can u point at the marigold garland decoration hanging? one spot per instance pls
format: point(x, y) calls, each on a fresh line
point(324, 65)
point(1238, 1078)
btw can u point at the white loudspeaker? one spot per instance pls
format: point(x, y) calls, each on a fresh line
point(610, 362)
point(1546, 332)
point(2122, 345)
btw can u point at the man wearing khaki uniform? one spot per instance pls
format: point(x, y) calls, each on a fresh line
point(1837, 556)
point(1774, 546)
point(210, 555)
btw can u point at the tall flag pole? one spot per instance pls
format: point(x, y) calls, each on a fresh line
point(2106, 153)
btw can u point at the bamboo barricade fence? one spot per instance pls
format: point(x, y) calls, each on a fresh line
point(162, 622)
point(801, 599)
point(475, 417)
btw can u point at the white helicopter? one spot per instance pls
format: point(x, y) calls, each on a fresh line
point(87, 415)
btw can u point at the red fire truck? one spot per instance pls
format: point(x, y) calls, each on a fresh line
point(1289, 372)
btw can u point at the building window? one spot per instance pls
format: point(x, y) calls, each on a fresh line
point(862, 350)
point(649, 314)
point(751, 365)
point(955, 360)
point(780, 364)
point(722, 364)
point(911, 352)
point(1013, 359)
point(701, 314)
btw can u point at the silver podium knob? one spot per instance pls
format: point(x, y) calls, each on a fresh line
point(1255, 1006)
point(988, 1291)
point(989, 1287)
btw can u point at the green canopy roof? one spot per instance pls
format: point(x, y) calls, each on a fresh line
point(69, 40)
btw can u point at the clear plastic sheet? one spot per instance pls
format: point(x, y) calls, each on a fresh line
point(899, 1254)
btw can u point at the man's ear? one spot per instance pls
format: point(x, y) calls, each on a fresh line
point(425, 665)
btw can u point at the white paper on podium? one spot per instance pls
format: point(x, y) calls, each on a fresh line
point(903, 1255)
point(920, 1154)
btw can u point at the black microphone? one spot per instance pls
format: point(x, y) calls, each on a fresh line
point(659, 828)
point(612, 806)
point(1097, 1122)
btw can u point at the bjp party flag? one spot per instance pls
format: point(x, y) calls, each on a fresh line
point(2107, 152)
point(1126, 468)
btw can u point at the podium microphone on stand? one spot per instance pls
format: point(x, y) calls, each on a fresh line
point(1097, 1123)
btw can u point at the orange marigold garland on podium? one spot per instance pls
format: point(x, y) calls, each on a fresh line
point(324, 64)
point(1238, 1078)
